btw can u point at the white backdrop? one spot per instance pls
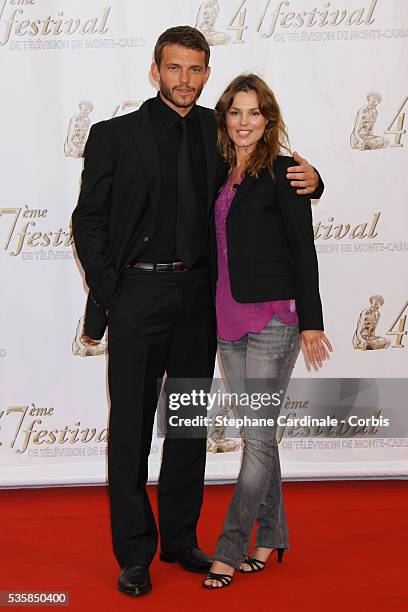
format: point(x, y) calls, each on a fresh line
point(67, 64)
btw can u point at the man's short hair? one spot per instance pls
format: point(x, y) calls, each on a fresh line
point(186, 36)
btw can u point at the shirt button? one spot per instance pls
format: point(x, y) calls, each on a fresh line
point(145, 238)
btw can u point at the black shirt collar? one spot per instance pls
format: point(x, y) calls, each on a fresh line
point(164, 114)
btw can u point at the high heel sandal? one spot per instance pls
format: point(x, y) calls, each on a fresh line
point(225, 580)
point(257, 565)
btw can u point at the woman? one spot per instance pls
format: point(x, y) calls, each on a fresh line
point(267, 294)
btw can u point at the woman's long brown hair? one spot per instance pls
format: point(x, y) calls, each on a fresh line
point(275, 137)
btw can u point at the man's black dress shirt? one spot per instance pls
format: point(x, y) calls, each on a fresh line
point(165, 121)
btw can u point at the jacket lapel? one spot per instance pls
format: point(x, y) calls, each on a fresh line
point(242, 190)
point(145, 141)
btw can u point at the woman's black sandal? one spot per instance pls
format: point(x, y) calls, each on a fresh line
point(257, 565)
point(225, 580)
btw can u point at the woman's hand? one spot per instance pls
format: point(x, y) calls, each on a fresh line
point(315, 343)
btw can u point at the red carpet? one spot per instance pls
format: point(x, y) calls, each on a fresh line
point(349, 551)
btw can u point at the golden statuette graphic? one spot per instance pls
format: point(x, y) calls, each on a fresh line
point(364, 338)
point(216, 442)
point(78, 129)
point(206, 18)
point(362, 137)
point(83, 346)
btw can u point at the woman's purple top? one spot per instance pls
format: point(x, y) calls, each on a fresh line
point(235, 319)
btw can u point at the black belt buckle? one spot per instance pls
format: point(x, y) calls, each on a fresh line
point(175, 266)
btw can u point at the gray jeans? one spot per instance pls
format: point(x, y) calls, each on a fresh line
point(257, 362)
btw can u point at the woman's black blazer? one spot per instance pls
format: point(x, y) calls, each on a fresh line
point(271, 253)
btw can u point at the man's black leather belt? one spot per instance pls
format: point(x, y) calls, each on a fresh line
point(174, 266)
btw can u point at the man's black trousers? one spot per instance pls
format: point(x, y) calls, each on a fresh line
point(160, 322)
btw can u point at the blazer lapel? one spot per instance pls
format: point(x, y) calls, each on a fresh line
point(145, 141)
point(244, 187)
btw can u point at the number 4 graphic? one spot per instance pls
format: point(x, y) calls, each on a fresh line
point(399, 120)
point(399, 320)
point(239, 16)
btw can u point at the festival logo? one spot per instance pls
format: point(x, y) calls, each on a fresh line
point(328, 16)
point(26, 26)
point(217, 441)
point(78, 129)
point(32, 431)
point(83, 346)
point(366, 337)
point(79, 125)
point(363, 137)
point(336, 236)
point(286, 21)
point(20, 235)
point(339, 231)
point(17, 24)
point(206, 18)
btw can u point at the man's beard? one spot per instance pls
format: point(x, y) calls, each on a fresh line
point(167, 93)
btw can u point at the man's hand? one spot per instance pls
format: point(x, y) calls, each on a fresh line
point(89, 341)
point(303, 176)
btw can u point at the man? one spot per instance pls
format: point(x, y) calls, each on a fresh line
point(140, 231)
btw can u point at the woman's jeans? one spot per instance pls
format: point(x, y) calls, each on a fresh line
point(257, 363)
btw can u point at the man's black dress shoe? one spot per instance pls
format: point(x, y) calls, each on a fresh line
point(135, 580)
point(191, 559)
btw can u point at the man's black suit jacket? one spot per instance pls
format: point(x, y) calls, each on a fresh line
point(116, 213)
point(271, 253)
